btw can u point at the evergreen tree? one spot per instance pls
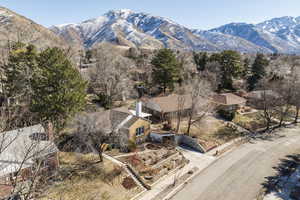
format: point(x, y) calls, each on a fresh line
point(19, 70)
point(246, 68)
point(166, 69)
point(231, 67)
point(257, 71)
point(201, 60)
point(58, 89)
point(215, 57)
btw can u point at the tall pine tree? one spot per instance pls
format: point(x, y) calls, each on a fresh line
point(200, 60)
point(18, 72)
point(231, 67)
point(257, 71)
point(59, 91)
point(166, 69)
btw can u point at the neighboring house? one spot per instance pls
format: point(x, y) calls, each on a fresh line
point(124, 127)
point(167, 107)
point(256, 98)
point(19, 152)
point(228, 101)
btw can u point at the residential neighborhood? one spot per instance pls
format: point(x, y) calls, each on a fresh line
point(130, 105)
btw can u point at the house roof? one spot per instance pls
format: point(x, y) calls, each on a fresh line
point(131, 112)
point(259, 94)
point(228, 99)
point(114, 119)
point(22, 145)
point(169, 103)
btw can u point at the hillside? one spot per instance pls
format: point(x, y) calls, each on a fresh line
point(14, 27)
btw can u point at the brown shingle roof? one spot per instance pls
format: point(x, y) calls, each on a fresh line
point(228, 99)
point(168, 103)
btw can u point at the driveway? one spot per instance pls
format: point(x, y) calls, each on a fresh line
point(238, 175)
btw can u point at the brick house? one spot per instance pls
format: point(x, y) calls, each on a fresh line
point(20, 150)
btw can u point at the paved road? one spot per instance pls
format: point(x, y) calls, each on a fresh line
point(238, 175)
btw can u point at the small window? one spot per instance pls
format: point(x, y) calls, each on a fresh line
point(140, 131)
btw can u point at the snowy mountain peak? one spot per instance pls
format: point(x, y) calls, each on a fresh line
point(122, 13)
point(129, 28)
point(276, 24)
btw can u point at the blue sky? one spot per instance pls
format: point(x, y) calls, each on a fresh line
point(202, 14)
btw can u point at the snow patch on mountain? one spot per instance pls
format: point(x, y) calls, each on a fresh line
point(128, 27)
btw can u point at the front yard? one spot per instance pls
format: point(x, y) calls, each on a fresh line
point(154, 164)
point(82, 178)
point(211, 132)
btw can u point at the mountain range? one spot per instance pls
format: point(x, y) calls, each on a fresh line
point(137, 29)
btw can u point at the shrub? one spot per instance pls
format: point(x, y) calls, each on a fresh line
point(227, 114)
point(132, 146)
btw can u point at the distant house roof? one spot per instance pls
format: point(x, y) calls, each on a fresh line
point(25, 144)
point(228, 99)
point(168, 104)
point(259, 94)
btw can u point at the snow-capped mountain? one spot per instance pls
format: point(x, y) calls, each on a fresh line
point(278, 34)
point(227, 41)
point(125, 27)
point(286, 28)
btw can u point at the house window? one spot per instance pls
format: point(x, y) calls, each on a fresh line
point(140, 131)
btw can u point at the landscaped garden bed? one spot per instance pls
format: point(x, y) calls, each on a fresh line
point(153, 165)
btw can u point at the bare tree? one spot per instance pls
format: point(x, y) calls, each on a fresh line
point(287, 85)
point(109, 78)
point(213, 74)
point(268, 100)
point(296, 102)
point(92, 135)
point(294, 79)
point(180, 106)
point(201, 91)
point(23, 154)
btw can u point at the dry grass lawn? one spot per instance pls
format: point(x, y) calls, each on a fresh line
point(206, 131)
point(253, 121)
point(84, 179)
